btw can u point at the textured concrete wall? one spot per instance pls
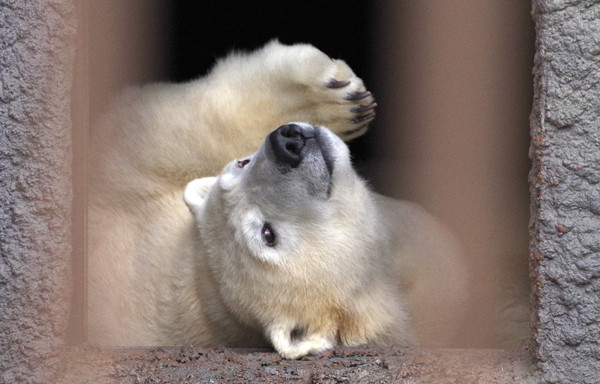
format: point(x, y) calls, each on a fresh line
point(565, 180)
point(35, 190)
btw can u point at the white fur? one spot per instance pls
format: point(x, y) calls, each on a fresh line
point(313, 344)
point(195, 194)
point(351, 269)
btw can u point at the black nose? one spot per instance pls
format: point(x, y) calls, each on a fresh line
point(288, 142)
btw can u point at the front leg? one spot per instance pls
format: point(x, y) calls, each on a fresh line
point(321, 91)
point(257, 92)
point(292, 344)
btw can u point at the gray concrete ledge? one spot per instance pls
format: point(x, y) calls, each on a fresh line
point(347, 365)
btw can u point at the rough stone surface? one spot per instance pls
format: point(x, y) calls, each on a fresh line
point(344, 365)
point(35, 188)
point(565, 193)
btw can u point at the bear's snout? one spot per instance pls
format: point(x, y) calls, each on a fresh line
point(289, 141)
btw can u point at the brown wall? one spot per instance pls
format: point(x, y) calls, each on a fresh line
point(119, 43)
point(454, 89)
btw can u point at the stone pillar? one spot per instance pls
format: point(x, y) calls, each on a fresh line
point(35, 188)
point(565, 190)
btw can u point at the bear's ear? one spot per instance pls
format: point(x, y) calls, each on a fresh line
point(195, 194)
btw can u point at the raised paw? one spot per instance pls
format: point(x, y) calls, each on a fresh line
point(346, 106)
point(316, 89)
point(363, 113)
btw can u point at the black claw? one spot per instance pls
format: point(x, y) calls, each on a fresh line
point(358, 95)
point(365, 118)
point(333, 83)
point(364, 108)
point(353, 131)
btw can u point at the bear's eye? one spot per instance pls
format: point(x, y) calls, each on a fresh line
point(242, 163)
point(269, 235)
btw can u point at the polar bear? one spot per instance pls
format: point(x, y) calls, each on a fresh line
point(194, 240)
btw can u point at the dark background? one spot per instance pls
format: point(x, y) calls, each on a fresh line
point(202, 31)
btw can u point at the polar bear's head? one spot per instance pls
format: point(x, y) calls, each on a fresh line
point(290, 234)
point(297, 192)
point(293, 220)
